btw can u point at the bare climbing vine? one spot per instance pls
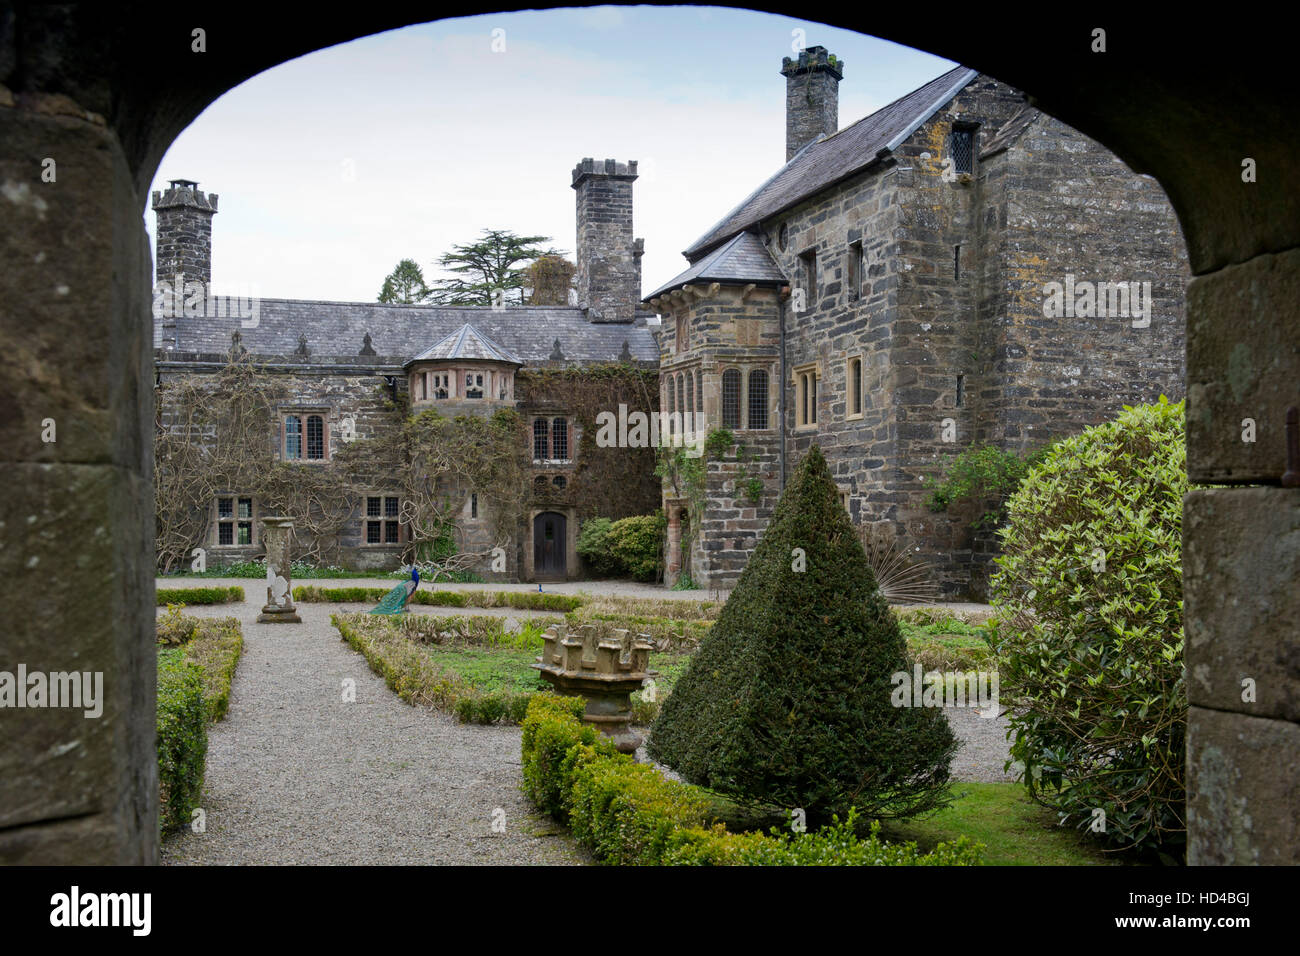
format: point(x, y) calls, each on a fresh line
point(218, 435)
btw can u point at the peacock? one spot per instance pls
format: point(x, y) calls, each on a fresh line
point(395, 601)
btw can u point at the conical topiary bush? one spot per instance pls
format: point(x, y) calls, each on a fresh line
point(788, 700)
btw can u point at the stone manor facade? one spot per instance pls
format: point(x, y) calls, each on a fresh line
point(956, 268)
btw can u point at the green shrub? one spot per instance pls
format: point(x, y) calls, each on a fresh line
point(175, 629)
point(833, 845)
point(665, 633)
point(1089, 639)
point(982, 476)
point(182, 737)
point(595, 548)
point(524, 600)
point(629, 813)
point(638, 544)
point(169, 596)
point(216, 648)
point(788, 700)
point(463, 680)
point(551, 727)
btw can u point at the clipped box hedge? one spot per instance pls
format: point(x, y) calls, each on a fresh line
point(182, 737)
point(524, 600)
point(666, 633)
point(216, 648)
point(396, 654)
point(629, 813)
point(232, 594)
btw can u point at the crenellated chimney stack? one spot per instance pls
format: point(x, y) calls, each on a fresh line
point(812, 97)
point(184, 232)
point(609, 258)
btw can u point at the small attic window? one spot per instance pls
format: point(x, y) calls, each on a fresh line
point(783, 237)
point(961, 149)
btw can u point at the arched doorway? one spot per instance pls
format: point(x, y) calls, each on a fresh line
point(80, 88)
point(549, 546)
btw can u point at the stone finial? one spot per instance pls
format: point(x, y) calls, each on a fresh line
point(366, 347)
point(237, 349)
point(302, 349)
point(626, 354)
point(556, 355)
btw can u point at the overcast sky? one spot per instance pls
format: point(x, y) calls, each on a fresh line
point(333, 167)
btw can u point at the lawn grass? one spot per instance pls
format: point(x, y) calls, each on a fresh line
point(1015, 830)
point(490, 669)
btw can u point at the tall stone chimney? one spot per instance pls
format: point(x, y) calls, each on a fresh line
point(812, 97)
point(184, 232)
point(609, 259)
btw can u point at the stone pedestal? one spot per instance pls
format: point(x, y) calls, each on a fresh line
point(605, 665)
point(277, 532)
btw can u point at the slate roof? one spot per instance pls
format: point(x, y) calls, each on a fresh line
point(467, 342)
point(398, 332)
point(743, 258)
point(1010, 132)
point(827, 160)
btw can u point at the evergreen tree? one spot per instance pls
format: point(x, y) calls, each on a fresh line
point(488, 265)
point(787, 703)
point(405, 284)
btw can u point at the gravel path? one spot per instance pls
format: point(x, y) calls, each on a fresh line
point(295, 775)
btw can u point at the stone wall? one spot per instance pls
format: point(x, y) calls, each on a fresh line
point(723, 327)
point(947, 317)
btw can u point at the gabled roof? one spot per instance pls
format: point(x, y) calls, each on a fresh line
point(332, 333)
point(829, 159)
point(741, 259)
point(467, 342)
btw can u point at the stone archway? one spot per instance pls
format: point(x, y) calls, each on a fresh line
point(81, 86)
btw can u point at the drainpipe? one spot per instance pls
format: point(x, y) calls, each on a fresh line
point(785, 294)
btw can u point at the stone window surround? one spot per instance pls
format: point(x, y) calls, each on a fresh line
point(304, 412)
point(365, 520)
point(234, 520)
point(801, 414)
point(849, 413)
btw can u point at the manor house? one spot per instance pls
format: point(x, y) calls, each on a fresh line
point(346, 366)
point(954, 269)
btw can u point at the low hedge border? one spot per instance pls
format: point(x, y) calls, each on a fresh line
point(629, 813)
point(182, 737)
point(233, 594)
point(216, 649)
point(523, 600)
point(413, 676)
point(194, 679)
point(666, 633)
